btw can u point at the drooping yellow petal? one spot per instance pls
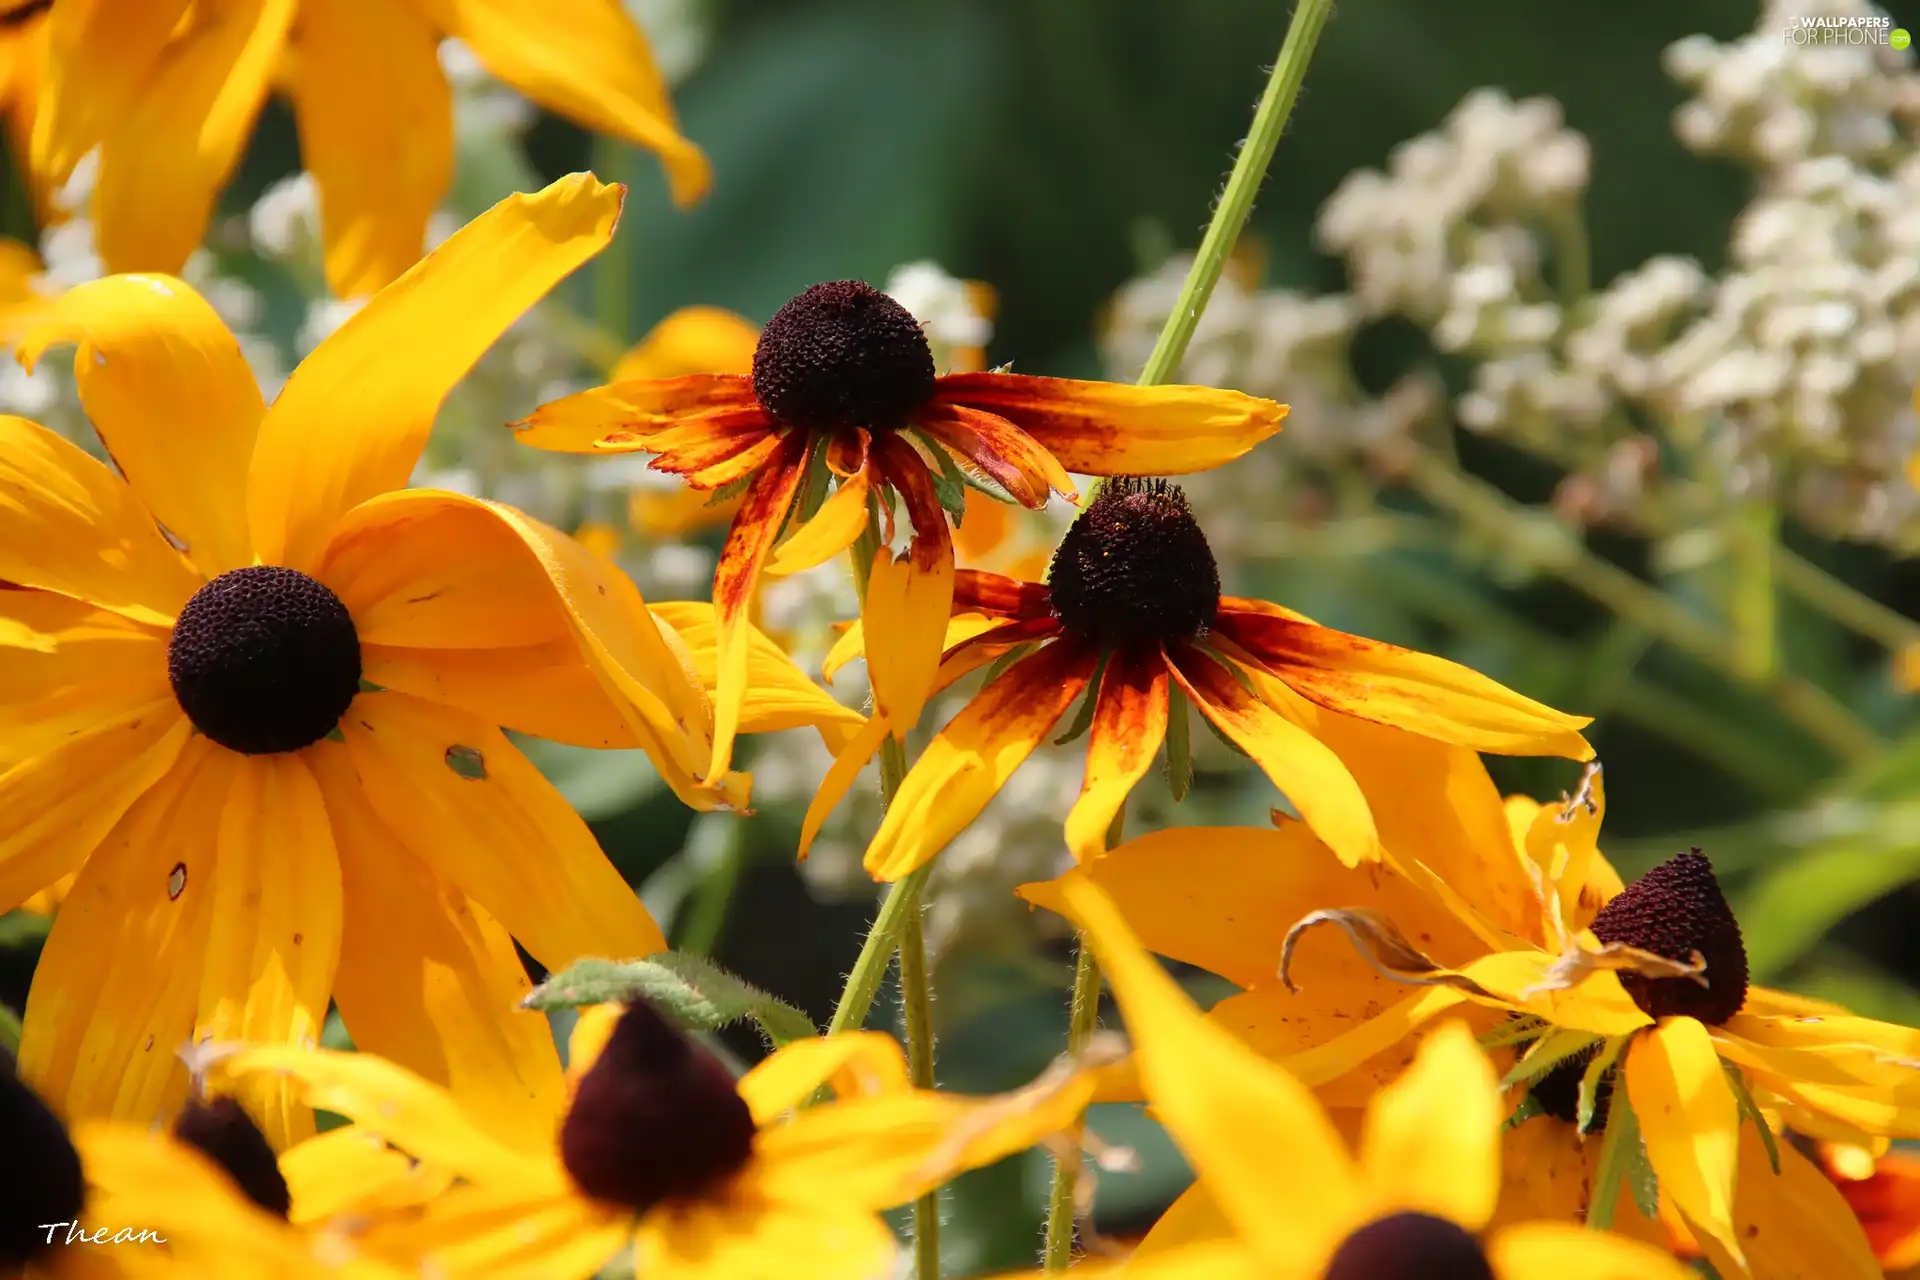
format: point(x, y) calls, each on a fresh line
point(908, 601)
point(1564, 1251)
point(968, 762)
point(352, 419)
point(1129, 723)
point(1305, 769)
point(853, 756)
point(362, 66)
point(67, 668)
point(163, 167)
point(788, 1077)
point(418, 568)
point(74, 527)
point(66, 800)
point(1415, 691)
point(691, 340)
point(100, 57)
point(1231, 1112)
point(1794, 1225)
point(505, 1229)
point(841, 519)
point(1690, 1123)
point(430, 981)
point(470, 806)
point(348, 1170)
point(779, 695)
point(165, 385)
point(732, 1240)
point(1193, 1219)
point(1371, 1037)
point(1431, 1140)
point(1114, 429)
point(115, 992)
point(419, 1118)
point(588, 61)
point(274, 936)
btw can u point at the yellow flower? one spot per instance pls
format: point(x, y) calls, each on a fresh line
point(1288, 1202)
point(1131, 614)
point(843, 390)
point(1648, 996)
point(23, 57)
point(250, 693)
point(168, 91)
point(661, 1148)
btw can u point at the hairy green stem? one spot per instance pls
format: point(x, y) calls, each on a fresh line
point(1083, 1019)
point(916, 993)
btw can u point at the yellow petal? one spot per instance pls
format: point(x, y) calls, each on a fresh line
point(1567, 1252)
point(1598, 1004)
point(430, 981)
point(909, 598)
point(588, 61)
point(853, 756)
point(1129, 723)
point(348, 1170)
point(779, 695)
point(841, 519)
point(164, 383)
point(730, 1240)
point(539, 1233)
point(352, 419)
point(1113, 429)
point(1193, 1219)
point(419, 1118)
point(1230, 1110)
point(162, 168)
point(1431, 1141)
point(1305, 769)
point(592, 1027)
point(68, 798)
point(1690, 1122)
point(1795, 1225)
point(362, 65)
point(691, 340)
point(73, 527)
point(865, 1061)
point(100, 58)
point(505, 837)
point(116, 989)
point(1372, 1037)
point(968, 762)
point(419, 568)
point(1546, 1170)
point(274, 936)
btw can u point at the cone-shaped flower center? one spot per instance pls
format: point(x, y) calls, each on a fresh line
point(842, 354)
point(222, 1131)
point(264, 659)
point(1558, 1090)
point(1675, 910)
point(40, 1179)
point(656, 1118)
point(1134, 569)
point(1410, 1246)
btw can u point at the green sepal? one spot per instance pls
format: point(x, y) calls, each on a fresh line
point(815, 482)
point(1529, 1108)
point(1005, 660)
point(368, 686)
point(949, 482)
point(1089, 701)
point(1225, 741)
point(1179, 757)
point(1589, 1097)
point(731, 489)
point(1617, 1145)
point(695, 993)
point(1548, 1052)
point(1515, 1030)
point(1750, 1110)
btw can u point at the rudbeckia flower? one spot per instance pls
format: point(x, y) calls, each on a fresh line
point(1646, 995)
point(843, 389)
point(1884, 1192)
point(661, 1148)
point(168, 91)
point(1413, 1202)
point(1131, 614)
point(255, 687)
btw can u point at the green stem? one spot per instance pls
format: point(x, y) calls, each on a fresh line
point(915, 998)
point(1236, 202)
point(1846, 606)
point(1752, 602)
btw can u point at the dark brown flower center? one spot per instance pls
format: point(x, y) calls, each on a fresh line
point(222, 1131)
point(842, 354)
point(264, 659)
point(1134, 570)
point(1558, 1090)
point(1410, 1246)
point(1675, 911)
point(656, 1118)
point(41, 1183)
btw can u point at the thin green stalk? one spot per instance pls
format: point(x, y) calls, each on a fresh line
point(1752, 599)
point(1243, 184)
point(915, 997)
point(1850, 608)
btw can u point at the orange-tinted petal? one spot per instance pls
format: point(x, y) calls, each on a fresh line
point(749, 540)
point(580, 423)
point(351, 421)
point(968, 762)
point(362, 66)
point(976, 591)
point(716, 448)
point(691, 340)
point(471, 807)
point(165, 385)
point(909, 597)
point(1305, 769)
point(1415, 691)
point(1114, 429)
point(1129, 723)
point(1013, 459)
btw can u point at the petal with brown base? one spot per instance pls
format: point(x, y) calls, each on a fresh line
point(579, 422)
point(1129, 723)
point(977, 591)
point(838, 523)
point(1013, 459)
point(1113, 429)
point(716, 447)
point(968, 762)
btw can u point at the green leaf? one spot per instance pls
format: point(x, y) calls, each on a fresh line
point(1006, 660)
point(1514, 1030)
point(1089, 700)
point(731, 489)
point(1643, 1184)
point(1179, 757)
point(1548, 1052)
point(696, 993)
point(1798, 899)
point(1750, 1110)
point(949, 482)
point(1225, 741)
point(1589, 1097)
point(1616, 1153)
point(815, 481)
point(1529, 1108)
point(9, 1030)
point(23, 929)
